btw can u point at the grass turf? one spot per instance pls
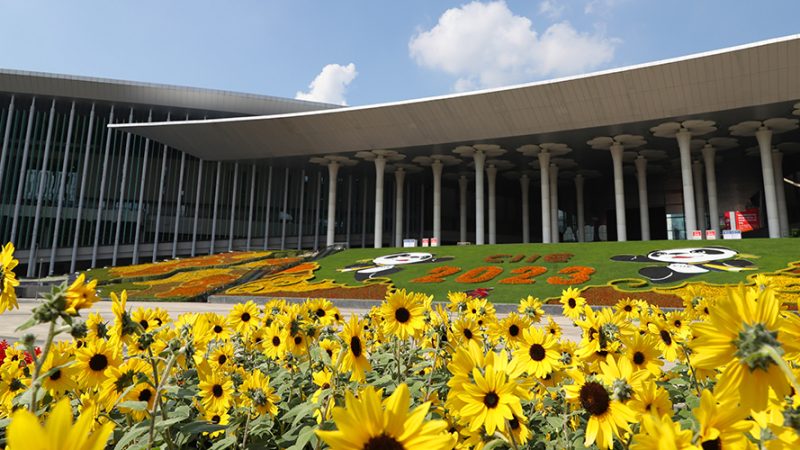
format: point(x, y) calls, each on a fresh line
point(768, 255)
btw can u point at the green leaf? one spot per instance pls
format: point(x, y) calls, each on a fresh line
point(302, 439)
point(134, 405)
point(201, 427)
point(130, 436)
point(228, 441)
point(29, 323)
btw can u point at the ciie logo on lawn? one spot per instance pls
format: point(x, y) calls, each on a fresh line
point(683, 263)
point(389, 264)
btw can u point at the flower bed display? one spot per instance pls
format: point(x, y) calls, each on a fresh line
point(720, 372)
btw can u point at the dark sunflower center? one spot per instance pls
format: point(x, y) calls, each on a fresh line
point(98, 363)
point(402, 315)
point(222, 359)
point(491, 400)
point(383, 442)
point(716, 444)
point(144, 323)
point(217, 329)
point(325, 386)
point(513, 330)
point(355, 346)
point(55, 376)
point(638, 358)
point(320, 312)
point(665, 336)
point(628, 308)
point(514, 423)
point(594, 398)
point(298, 340)
point(145, 395)
point(276, 341)
point(245, 317)
point(536, 352)
point(572, 303)
point(217, 390)
point(329, 352)
point(215, 419)
point(467, 333)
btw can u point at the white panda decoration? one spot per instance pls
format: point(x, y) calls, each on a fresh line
point(683, 263)
point(389, 264)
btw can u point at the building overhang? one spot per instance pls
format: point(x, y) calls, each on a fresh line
point(745, 77)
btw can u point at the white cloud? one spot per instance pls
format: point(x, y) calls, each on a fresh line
point(486, 45)
point(551, 8)
point(330, 85)
point(600, 7)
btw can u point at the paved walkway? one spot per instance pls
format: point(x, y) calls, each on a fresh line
point(10, 320)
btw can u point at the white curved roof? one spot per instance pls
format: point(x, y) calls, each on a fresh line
point(749, 76)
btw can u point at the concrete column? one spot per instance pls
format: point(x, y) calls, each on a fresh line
point(161, 186)
point(524, 185)
point(380, 167)
point(699, 199)
point(103, 174)
point(780, 193)
point(491, 178)
point(709, 154)
point(122, 185)
point(544, 171)
point(197, 205)
point(644, 208)
point(363, 214)
point(234, 195)
point(61, 188)
point(554, 237)
point(579, 181)
point(333, 171)
point(619, 192)
point(40, 194)
point(316, 210)
point(140, 206)
point(462, 207)
point(285, 208)
point(480, 159)
point(84, 173)
point(399, 177)
point(300, 215)
point(23, 170)
point(684, 139)
point(348, 220)
point(215, 210)
point(252, 205)
point(266, 215)
point(437, 200)
point(764, 136)
point(178, 204)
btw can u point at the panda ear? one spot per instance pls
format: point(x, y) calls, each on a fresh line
point(720, 247)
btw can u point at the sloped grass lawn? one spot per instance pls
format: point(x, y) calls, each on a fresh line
point(768, 255)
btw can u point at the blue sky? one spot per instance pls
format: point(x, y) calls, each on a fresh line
point(398, 49)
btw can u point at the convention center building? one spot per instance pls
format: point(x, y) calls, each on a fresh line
point(97, 172)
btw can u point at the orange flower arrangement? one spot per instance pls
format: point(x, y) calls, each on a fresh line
point(479, 274)
point(437, 274)
point(496, 258)
point(525, 275)
point(558, 257)
point(577, 275)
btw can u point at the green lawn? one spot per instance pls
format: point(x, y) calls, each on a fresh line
point(767, 254)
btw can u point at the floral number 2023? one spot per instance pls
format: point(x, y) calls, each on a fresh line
point(522, 275)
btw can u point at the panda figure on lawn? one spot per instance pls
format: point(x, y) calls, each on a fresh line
point(683, 263)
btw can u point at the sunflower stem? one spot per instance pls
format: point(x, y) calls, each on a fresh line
point(511, 436)
point(39, 363)
point(695, 383)
point(397, 357)
point(433, 367)
point(157, 403)
point(244, 433)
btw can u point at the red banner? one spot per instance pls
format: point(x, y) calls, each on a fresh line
point(747, 220)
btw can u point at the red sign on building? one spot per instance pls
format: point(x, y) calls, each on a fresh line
point(747, 220)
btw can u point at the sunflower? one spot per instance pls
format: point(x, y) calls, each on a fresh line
point(539, 353)
point(607, 417)
point(741, 335)
point(220, 418)
point(531, 307)
point(403, 314)
point(297, 344)
point(274, 342)
point(659, 432)
point(258, 395)
point(330, 347)
point(25, 433)
point(216, 390)
point(142, 392)
point(481, 310)
point(218, 325)
point(490, 400)
point(466, 330)
point(553, 328)
point(93, 361)
point(510, 329)
point(367, 423)
point(642, 351)
point(60, 373)
point(627, 309)
point(666, 340)
point(572, 303)
point(458, 301)
point(622, 376)
point(221, 357)
point(97, 326)
point(244, 317)
point(355, 358)
point(323, 311)
point(81, 295)
point(649, 398)
point(119, 379)
point(8, 280)
point(145, 317)
point(722, 424)
point(124, 327)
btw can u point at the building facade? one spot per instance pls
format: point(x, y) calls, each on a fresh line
point(102, 172)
